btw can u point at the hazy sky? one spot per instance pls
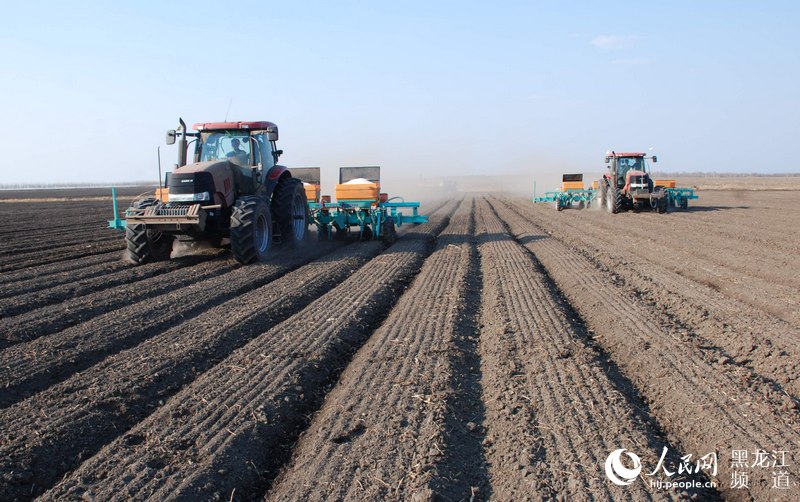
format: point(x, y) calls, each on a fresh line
point(87, 90)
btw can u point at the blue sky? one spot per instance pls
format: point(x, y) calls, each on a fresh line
point(420, 88)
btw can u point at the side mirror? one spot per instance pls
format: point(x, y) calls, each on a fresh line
point(607, 159)
point(171, 137)
point(272, 133)
point(655, 159)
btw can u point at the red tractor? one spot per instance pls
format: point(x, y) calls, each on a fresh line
point(234, 188)
point(628, 185)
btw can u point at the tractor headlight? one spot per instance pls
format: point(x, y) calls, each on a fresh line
point(189, 197)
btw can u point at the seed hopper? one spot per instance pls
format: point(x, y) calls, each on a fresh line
point(360, 206)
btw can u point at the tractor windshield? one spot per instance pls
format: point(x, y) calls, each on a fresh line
point(628, 163)
point(625, 164)
point(226, 145)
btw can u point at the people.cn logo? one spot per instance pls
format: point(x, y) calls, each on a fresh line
point(618, 473)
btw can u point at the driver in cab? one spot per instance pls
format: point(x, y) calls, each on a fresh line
point(238, 155)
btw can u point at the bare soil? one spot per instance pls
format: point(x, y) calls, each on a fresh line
point(500, 352)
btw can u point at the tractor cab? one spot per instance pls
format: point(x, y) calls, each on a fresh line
point(629, 170)
point(626, 164)
point(233, 157)
point(233, 189)
point(242, 146)
point(628, 184)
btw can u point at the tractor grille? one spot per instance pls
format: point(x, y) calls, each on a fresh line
point(173, 210)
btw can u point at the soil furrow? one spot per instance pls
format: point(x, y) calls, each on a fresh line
point(33, 366)
point(79, 251)
point(756, 276)
point(86, 290)
point(236, 420)
point(82, 274)
point(556, 391)
point(112, 396)
point(18, 279)
point(702, 408)
point(734, 332)
point(386, 421)
point(90, 312)
point(40, 244)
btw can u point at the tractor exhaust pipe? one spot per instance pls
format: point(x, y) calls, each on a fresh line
point(182, 143)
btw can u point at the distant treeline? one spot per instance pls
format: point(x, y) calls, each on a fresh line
point(699, 174)
point(66, 186)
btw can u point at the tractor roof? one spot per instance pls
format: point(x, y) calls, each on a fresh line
point(626, 154)
point(219, 126)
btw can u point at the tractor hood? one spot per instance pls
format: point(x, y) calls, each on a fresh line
point(209, 182)
point(208, 166)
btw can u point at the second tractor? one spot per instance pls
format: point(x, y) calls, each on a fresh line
point(627, 184)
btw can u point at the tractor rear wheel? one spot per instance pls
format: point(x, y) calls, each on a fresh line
point(603, 195)
point(389, 233)
point(251, 230)
point(613, 200)
point(143, 245)
point(290, 209)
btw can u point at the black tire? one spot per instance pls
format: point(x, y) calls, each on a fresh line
point(613, 200)
point(290, 210)
point(662, 205)
point(366, 234)
point(388, 231)
point(143, 245)
point(251, 230)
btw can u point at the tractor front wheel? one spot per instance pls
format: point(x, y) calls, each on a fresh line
point(251, 230)
point(143, 245)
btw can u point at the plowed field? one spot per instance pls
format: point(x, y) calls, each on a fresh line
point(501, 351)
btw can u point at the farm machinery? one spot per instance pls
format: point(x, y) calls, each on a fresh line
point(360, 205)
point(627, 184)
point(234, 188)
point(572, 191)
